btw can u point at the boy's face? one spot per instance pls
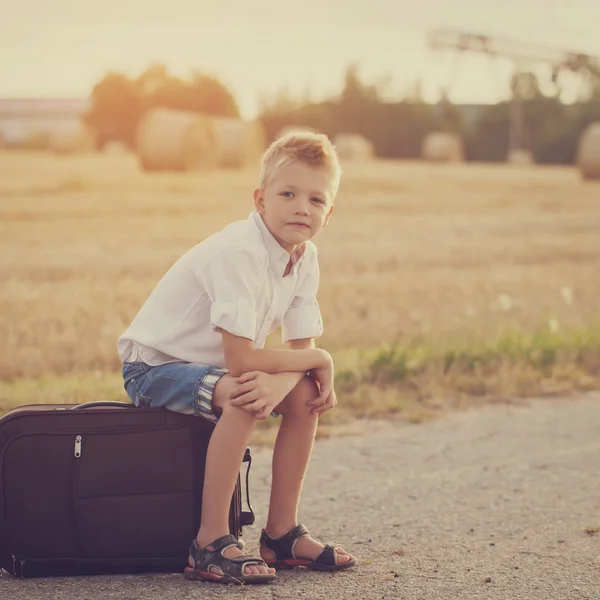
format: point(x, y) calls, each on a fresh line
point(296, 204)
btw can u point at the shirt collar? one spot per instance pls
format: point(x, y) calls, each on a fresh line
point(278, 256)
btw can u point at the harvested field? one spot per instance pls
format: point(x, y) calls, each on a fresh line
point(415, 254)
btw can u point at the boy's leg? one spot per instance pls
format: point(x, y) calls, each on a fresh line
point(225, 453)
point(291, 455)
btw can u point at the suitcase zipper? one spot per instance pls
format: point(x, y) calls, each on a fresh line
point(78, 440)
point(80, 538)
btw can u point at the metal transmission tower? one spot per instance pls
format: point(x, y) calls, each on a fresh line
point(520, 53)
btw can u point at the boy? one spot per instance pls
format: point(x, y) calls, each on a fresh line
point(196, 347)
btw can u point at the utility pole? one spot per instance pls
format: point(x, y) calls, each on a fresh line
point(520, 53)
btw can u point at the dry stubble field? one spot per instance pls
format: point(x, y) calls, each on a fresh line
point(417, 256)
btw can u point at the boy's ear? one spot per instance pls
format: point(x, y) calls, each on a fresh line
point(259, 200)
point(328, 215)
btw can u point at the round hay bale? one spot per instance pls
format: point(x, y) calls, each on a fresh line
point(353, 147)
point(442, 147)
point(79, 140)
point(588, 152)
point(175, 140)
point(520, 157)
point(239, 143)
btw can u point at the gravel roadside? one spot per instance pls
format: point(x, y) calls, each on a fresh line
point(501, 502)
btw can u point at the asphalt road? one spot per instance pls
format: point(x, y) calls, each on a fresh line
point(499, 502)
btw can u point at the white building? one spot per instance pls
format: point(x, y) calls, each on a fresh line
point(20, 118)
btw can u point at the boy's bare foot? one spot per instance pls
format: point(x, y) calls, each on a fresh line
point(233, 552)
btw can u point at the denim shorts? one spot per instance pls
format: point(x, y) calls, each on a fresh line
point(179, 386)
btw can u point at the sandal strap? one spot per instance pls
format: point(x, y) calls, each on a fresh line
point(283, 547)
point(298, 531)
point(234, 567)
point(198, 553)
point(249, 560)
point(327, 556)
point(222, 543)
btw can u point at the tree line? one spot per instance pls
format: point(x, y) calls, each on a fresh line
point(551, 129)
point(119, 101)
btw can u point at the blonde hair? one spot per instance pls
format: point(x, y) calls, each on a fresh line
point(314, 149)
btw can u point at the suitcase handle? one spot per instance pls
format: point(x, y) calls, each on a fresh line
point(106, 403)
point(247, 516)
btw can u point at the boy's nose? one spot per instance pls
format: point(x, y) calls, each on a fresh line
point(301, 207)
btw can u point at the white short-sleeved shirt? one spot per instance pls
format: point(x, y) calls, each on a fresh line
point(233, 280)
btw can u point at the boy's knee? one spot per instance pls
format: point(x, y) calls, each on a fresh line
point(295, 402)
point(221, 393)
point(306, 388)
point(229, 409)
point(220, 401)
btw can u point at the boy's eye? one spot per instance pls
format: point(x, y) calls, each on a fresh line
point(286, 194)
point(319, 200)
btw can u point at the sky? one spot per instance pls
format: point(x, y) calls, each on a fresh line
point(60, 48)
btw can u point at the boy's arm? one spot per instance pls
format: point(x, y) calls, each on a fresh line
point(305, 344)
point(242, 357)
point(294, 377)
point(259, 392)
point(317, 406)
point(254, 393)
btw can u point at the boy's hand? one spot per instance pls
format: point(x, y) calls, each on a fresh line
point(324, 378)
point(319, 409)
point(260, 393)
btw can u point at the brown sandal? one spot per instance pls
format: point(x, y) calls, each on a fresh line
point(283, 549)
point(232, 568)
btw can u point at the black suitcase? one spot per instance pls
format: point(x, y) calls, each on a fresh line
point(103, 487)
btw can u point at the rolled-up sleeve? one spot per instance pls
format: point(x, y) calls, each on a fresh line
point(232, 281)
point(303, 318)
